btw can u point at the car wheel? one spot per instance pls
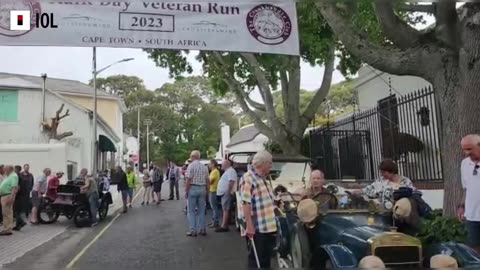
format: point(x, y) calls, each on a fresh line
point(103, 210)
point(300, 250)
point(82, 216)
point(47, 214)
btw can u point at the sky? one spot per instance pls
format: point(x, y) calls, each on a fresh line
point(76, 64)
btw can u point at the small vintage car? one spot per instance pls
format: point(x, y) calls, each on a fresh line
point(339, 237)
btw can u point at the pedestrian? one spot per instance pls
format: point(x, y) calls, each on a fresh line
point(122, 186)
point(157, 181)
point(226, 186)
point(174, 177)
point(80, 179)
point(196, 190)
point(131, 181)
point(151, 170)
point(91, 189)
point(39, 188)
point(469, 208)
point(147, 186)
point(8, 191)
point(214, 177)
point(52, 186)
point(258, 211)
point(106, 181)
point(20, 201)
point(27, 178)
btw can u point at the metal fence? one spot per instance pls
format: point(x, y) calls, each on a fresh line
point(405, 129)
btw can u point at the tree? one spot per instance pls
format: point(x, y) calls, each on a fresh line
point(445, 54)
point(241, 73)
point(120, 85)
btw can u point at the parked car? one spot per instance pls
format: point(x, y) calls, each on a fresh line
point(291, 172)
point(339, 237)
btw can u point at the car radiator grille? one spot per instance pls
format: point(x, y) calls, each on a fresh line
point(404, 256)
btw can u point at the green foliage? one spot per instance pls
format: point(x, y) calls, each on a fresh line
point(437, 229)
point(120, 85)
point(273, 147)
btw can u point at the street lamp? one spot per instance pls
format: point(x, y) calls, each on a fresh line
point(148, 122)
point(94, 133)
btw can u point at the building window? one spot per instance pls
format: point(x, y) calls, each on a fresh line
point(8, 105)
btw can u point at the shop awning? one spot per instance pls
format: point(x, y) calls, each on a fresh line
point(105, 144)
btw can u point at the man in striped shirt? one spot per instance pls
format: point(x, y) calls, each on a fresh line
point(258, 210)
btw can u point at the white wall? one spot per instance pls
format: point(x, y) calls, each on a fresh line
point(40, 156)
point(27, 129)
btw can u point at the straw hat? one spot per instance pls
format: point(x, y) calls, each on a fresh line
point(443, 261)
point(371, 262)
point(402, 209)
point(307, 210)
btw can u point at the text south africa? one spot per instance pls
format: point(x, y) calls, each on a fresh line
point(147, 41)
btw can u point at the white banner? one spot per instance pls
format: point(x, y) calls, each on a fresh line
point(247, 26)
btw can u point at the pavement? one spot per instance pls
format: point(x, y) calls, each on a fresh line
point(147, 237)
point(32, 237)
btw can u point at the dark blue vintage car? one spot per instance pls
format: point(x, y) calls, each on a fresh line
point(340, 238)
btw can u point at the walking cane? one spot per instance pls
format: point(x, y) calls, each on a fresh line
point(252, 242)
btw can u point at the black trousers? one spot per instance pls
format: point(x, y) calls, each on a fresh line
point(19, 208)
point(174, 187)
point(264, 244)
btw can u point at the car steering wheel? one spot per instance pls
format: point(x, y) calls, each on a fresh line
point(332, 200)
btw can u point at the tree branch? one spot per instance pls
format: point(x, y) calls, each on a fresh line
point(394, 28)
point(292, 109)
point(446, 26)
point(322, 92)
point(238, 92)
point(263, 85)
point(390, 60)
point(284, 85)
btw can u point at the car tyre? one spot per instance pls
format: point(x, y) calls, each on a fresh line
point(47, 210)
point(103, 210)
point(300, 249)
point(82, 216)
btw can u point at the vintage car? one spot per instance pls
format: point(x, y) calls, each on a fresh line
point(339, 237)
point(291, 172)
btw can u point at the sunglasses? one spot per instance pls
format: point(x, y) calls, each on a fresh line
point(475, 169)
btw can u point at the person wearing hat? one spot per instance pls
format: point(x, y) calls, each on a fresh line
point(52, 186)
point(442, 261)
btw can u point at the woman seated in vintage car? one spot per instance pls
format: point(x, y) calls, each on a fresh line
point(384, 187)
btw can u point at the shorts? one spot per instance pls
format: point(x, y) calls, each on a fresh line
point(36, 199)
point(473, 229)
point(157, 186)
point(225, 201)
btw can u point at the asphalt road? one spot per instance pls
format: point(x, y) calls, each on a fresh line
point(147, 237)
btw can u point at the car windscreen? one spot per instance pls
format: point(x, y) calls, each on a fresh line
point(289, 171)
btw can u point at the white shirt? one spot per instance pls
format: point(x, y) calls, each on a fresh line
point(471, 183)
point(229, 175)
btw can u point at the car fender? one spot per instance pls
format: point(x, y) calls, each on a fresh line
point(340, 256)
point(465, 255)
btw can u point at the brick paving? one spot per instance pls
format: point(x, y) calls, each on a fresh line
point(30, 237)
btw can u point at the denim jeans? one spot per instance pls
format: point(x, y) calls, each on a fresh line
point(196, 199)
point(93, 201)
point(212, 198)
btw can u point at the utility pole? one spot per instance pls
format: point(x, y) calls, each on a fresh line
point(94, 133)
point(44, 77)
point(138, 139)
point(148, 122)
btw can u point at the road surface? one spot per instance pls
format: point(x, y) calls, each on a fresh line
point(147, 237)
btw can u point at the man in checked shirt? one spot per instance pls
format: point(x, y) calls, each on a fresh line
point(256, 195)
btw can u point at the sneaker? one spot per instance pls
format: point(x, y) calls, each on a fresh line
point(203, 233)
point(148, 203)
point(5, 233)
point(158, 203)
point(130, 205)
point(94, 224)
point(192, 234)
point(170, 199)
point(143, 203)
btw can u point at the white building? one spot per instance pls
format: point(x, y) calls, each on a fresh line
point(22, 139)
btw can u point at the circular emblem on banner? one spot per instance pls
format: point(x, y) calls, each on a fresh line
point(17, 5)
point(269, 24)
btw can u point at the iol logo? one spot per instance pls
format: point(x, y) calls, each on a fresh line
point(20, 20)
